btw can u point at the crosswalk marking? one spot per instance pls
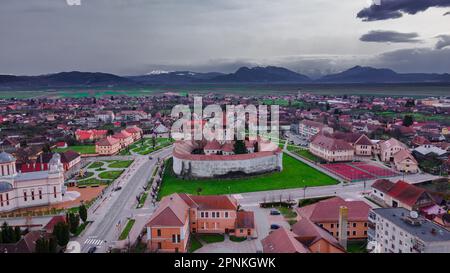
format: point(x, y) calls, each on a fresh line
point(93, 241)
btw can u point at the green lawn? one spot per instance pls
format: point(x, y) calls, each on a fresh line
point(95, 165)
point(142, 200)
point(127, 229)
point(82, 149)
point(121, 164)
point(287, 212)
point(194, 244)
point(212, 238)
point(303, 153)
point(110, 174)
point(295, 174)
point(91, 182)
point(86, 175)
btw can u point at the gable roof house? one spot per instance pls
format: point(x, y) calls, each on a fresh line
point(401, 194)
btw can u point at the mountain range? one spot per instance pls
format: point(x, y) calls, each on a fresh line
point(260, 75)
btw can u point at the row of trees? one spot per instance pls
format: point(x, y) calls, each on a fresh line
point(61, 232)
point(9, 235)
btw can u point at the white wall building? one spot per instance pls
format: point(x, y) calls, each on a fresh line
point(23, 190)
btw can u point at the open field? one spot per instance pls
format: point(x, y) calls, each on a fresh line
point(295, 174)
point(415, 90)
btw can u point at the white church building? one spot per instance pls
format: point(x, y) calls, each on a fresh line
point(23, 190)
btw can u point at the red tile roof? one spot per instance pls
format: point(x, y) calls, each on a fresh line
point(383, 185)
point(245, 219)
point(309, 233)
point(328, 210)
point(330, 144)
point(406, 193)
point(283, 241)
point(211, 202)
point(108, 141)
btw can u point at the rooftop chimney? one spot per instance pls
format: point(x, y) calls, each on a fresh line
point(343, 221)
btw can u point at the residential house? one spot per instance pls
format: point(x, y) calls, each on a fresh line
point(401, 194)
point(309, 128)
point(178, 215)
point(405, 162)
point(325, 214)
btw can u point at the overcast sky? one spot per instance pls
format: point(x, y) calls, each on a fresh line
point(314, 37)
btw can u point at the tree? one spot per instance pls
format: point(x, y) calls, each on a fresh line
point(44, 245)
point(83, 213)
point(74, 222)
point(61, 233)
point(408, 120)
point(199, 190)
point(153, 141)
point(239, 147)
point(17, 233)
point(256, 147)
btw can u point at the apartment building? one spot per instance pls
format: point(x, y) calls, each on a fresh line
point(398, 230)
point(309, 128)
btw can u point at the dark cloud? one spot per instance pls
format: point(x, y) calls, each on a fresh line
point(392, 9)
point(382, 36)
point(415, 60)
point(444, 41)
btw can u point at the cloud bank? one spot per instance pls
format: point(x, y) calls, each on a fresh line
point(392, 9)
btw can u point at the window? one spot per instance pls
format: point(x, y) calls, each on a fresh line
point(7, 199)
point(25, 196)
point(332, 225)
point(1, 200)
point(206, 214)
point(158, 232)
point(174, 238)
point(202, 214)
point(178, 238)
point(40, 194)
point(365, 224)
point(54, 192)
point(32, 195)
point(354, 224)
point(354, 233)
point(226, 214)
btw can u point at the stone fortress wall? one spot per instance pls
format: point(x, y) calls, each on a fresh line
point(186, 164)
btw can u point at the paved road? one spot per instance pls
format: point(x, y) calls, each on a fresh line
point(116, 207)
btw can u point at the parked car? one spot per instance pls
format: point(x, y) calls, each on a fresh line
point(150, 158)
point(118, 189)
point(274, 226)
point(274, 212)
point(92, 249)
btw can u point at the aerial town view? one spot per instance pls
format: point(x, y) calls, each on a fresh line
point(187, 128)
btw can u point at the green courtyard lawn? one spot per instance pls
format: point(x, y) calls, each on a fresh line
point(112, 175)
point(86, 175)
point(81, 149)
point(211, 238)
point(194, 244)
point(92, 182)
point(295, 174)
point(120, 164)
point(95, 165)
